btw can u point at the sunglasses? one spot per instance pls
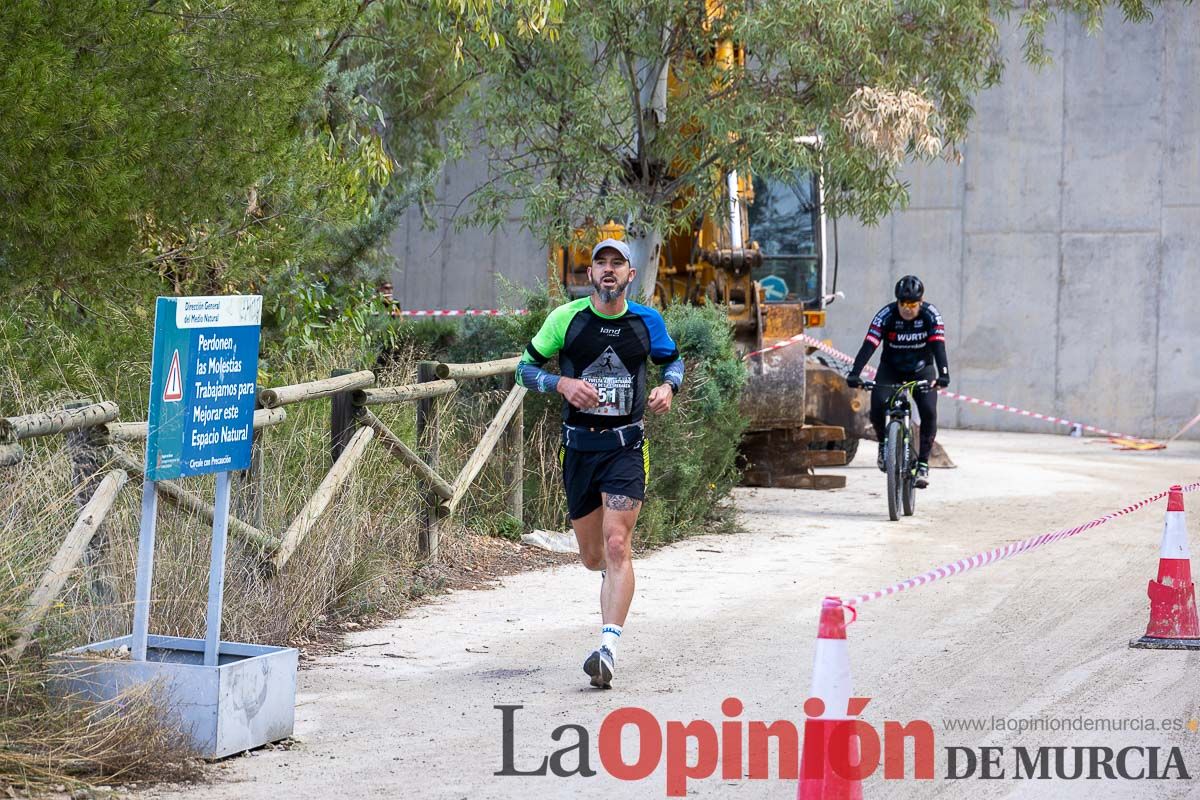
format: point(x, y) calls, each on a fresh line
point(910, 303)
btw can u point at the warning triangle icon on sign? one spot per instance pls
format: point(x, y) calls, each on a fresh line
point(174, 388)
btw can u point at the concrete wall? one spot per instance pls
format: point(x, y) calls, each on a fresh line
point(1064, 252)
point(448, 268)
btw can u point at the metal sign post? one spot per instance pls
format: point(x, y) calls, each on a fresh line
point(227, 696)
point(216, 572)
point(145, 570)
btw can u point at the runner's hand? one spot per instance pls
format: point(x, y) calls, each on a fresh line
point(660, 398)
point(580, 394)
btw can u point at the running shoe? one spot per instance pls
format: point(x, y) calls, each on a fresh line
point(599, 667)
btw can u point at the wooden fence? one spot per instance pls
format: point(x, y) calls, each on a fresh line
point(101, 466)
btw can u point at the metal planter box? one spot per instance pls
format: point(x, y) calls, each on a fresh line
point(247, 700)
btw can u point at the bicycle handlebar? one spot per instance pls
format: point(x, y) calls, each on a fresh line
point(929, 384)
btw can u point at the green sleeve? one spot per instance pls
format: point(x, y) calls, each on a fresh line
point(550, 338)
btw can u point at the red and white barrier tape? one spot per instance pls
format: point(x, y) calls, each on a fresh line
point(838, 354)
point(1184, 429)
point(797, 339)
point(1001, 553)
point(461, 312)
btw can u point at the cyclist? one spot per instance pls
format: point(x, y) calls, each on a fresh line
point(911, 332)
point(603, 344)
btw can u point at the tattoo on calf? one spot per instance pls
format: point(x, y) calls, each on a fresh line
point(619, 502)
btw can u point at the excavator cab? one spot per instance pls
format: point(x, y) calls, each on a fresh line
point(785, 219)
point(784, 440)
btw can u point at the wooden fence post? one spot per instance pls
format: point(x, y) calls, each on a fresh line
point(342, 422)
point(427, 448)
point(514, 472)
point(89, 453)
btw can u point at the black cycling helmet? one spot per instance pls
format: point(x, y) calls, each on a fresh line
point(910, 288)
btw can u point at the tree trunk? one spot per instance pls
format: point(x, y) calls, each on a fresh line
point(646, 248)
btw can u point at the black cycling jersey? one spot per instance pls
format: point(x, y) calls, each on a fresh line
point(908, 345)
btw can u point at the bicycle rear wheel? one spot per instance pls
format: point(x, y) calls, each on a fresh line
point(893, 460)
point(910, 480)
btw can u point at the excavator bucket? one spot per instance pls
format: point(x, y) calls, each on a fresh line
point(829, 401)
point(779, 449)
point(773, 396)
point(803, 415)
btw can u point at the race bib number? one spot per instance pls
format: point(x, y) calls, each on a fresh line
point(616, 396)
point(613, 383)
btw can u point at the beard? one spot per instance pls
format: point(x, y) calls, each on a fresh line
point(609, 293)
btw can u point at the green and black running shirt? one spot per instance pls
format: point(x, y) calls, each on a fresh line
point(609, 352)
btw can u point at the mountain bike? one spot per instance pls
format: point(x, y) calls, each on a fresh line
point(900, 452)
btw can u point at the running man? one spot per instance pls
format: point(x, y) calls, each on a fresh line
point(911, 332)
point(603, 343)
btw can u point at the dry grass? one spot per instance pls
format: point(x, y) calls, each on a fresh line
point(485, 508)
point(48, 743)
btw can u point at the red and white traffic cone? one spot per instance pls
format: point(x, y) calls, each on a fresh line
point(1174, 624)
point(831, 687)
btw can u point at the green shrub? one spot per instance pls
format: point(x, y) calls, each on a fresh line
point(693, 449)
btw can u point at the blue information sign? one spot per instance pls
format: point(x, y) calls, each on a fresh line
point(203, 384)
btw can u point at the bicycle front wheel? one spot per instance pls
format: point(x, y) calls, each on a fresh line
point(910, 479)
point(894, 461)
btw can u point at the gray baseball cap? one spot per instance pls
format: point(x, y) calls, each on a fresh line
point(615, 244)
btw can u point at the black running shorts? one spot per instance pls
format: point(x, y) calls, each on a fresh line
point(586, 474)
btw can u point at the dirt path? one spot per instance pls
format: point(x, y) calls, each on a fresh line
point(409, 711)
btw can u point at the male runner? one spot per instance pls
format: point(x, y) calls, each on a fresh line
point(911, 332)
point(603, 343)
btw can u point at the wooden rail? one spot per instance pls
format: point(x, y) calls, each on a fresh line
point(315, 507)
point(486, 445)
point(133, 431)
point(65, 560)
point(52, 422)
point(514, 473)
point(10, 454)
point(169, 490)
point(483, 370)
point(428, 424)
point(402, 394)
point(315, 390)
point(402, 451)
